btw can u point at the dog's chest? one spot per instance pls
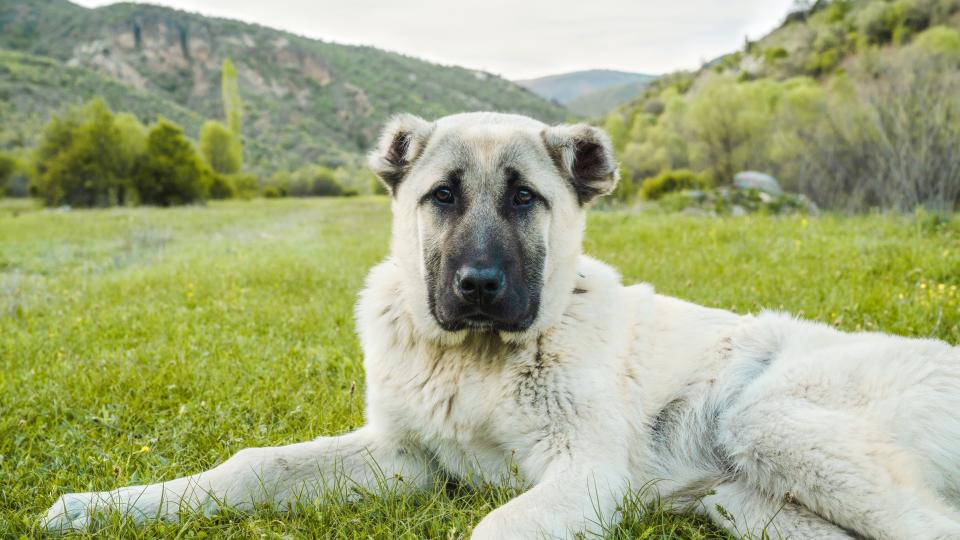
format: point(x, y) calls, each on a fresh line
point(476, 407)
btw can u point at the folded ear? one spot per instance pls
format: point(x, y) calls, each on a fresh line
point(401, 143)
point(584, 155)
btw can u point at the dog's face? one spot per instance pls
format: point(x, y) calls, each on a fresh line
point(487, 209)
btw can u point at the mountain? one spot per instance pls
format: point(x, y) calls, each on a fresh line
point(31, 87)
point(602, 101)
point(566, 88)
point(306, 101)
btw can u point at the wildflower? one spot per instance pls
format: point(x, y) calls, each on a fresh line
point(144, 449)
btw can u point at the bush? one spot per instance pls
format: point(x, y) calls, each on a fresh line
point(939, 40)
point(85, 159)
point(7, 166)
point(670, 181)
point(733, 201)
point(171, 172)
point(246, 185)
point(772, 54)
point(877, 22)
point(277, 186)
point(221, 186)
point(315, 182)
point(220, 148)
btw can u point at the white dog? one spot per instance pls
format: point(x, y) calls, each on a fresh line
point(492, 343)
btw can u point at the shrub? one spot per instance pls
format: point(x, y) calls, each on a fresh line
point(823, 62)
point(278, 185)
point(246, 185)
point(171, 172)
point(939, 40)
point(7, 166)
point(670, 181)
point(315, 182)
point(85, 159)
point(772, 54)
point(725, 200)
point(877, 21)
point(837, 10)
point(914, 15)
point(220, 148)
point(654, 106)
point(221, 186)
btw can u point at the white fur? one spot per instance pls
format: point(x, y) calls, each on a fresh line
point(786, 426)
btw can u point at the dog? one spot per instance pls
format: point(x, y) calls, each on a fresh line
point(493, 344)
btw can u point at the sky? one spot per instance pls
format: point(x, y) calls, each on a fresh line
point(519, 38)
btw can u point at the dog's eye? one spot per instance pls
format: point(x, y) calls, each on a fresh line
point(523, 197)
point(443, 195)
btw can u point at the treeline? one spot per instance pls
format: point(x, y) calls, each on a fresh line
point(92, 157)
point(879, 129)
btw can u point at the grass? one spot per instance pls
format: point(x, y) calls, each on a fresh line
point(143, 344)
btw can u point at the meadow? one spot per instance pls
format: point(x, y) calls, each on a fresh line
point(138, 345)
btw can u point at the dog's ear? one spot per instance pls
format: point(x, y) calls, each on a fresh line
point(584, 155)
point(401, 143)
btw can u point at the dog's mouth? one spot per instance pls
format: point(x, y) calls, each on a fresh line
point(479, 320)
point(483, 322)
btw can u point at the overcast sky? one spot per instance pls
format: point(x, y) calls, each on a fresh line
point(519, 38)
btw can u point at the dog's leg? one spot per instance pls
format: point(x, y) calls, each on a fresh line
point(837, 464)
point(571, 499)
point(280, 477)
point(747, 513)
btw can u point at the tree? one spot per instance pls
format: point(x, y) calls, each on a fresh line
point(220, 148)
point(171, 172)
point(729, 122)
point(133, 136)
point(233, 112)
point(230, 91)
point(83, 159)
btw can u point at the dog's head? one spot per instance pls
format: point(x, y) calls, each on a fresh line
point(489, 211)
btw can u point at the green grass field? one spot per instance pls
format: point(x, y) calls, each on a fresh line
point(138, 345)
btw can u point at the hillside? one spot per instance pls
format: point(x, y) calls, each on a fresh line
point(565, 88)
point(33, 86)
point(854, 103)
point(307, 101)
point(602, 101)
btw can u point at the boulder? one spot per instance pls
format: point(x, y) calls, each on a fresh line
point(758, 181)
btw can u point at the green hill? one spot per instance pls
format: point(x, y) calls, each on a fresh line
point(31, 87)
point(854, 103)
point(307, 101)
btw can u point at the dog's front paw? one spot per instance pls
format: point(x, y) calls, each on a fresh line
point(71, 512)
point(488, 529)
point(502, 524)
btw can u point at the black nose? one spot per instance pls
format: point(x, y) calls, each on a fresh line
point(480, 285)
